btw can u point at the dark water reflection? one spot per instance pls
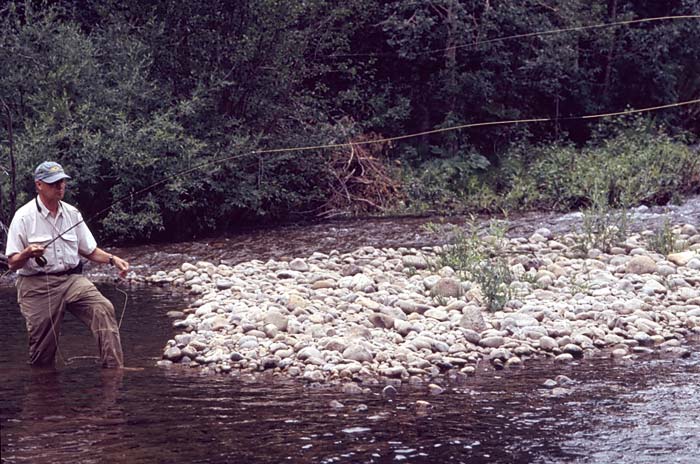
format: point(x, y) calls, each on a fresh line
point(648, 411)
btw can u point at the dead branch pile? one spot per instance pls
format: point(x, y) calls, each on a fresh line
point(362, 181)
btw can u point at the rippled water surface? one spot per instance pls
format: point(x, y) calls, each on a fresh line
point(644, 412)
point(648, 411)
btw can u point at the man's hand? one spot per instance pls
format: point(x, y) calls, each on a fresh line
point(122, 265)
point(98, 255)
point(18, 260)
point(33, 251)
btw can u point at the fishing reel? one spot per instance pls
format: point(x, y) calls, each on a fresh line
point(40, 261)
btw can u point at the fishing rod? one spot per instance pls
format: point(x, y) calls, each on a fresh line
point(41, 261)
point(359, 143)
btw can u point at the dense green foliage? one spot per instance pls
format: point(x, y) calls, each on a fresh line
point(125, 93)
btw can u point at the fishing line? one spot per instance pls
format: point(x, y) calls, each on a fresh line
point(367, 142)
point(53, 325)
point(72, 359)
point(525, 35)
point(372, 141)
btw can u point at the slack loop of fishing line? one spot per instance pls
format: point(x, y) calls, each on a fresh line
point(367, 142)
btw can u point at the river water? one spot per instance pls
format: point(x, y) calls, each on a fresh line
point(646, 411)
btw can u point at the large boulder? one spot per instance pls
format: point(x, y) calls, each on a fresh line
point(447, 288)
point(641, 265)
point(357, 352)
point(472, 319)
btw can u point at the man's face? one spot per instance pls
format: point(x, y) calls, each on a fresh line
point(53, 191)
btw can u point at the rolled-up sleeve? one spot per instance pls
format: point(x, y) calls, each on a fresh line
point(16, 237)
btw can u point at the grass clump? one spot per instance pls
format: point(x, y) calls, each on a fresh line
point(603, 227)
point(663, 240)
point(479, 259)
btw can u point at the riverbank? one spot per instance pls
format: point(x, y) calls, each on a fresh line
point(391, 313)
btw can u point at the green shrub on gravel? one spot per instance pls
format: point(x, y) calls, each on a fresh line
point(479, 259)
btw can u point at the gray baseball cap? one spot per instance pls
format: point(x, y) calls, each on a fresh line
point(50, 172)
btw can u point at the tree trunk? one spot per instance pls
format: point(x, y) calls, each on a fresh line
point(13, 167)
point(451, 65)
point(612, 13)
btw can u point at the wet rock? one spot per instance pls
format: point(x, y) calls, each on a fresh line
point(423, 407)
point(549, 383)
point(389, 391)
point(172, 354)
point(514, 362)
point(351, 389)
point(574, 350)
point(560, 391)
point(643, 339)
point(335, 404)
point(435, 389)
point(269, 362)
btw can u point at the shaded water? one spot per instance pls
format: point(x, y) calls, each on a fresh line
point(645, 412)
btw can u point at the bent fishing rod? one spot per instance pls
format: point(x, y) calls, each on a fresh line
point(41, 261)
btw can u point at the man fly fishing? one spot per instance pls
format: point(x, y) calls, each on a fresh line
point(45, 241)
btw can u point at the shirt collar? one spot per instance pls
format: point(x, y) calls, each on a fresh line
point(44, 211)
